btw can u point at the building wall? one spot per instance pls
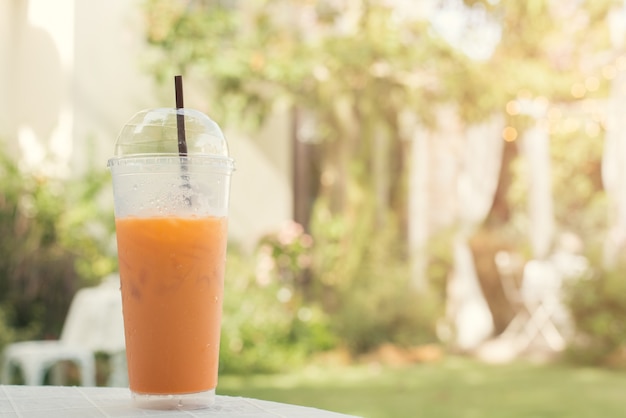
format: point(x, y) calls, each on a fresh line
point(6, 68)
point(71, 74)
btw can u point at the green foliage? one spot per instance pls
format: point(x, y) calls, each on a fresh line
point(598, 308)
point(258, 56)
point(363, 275)
point(580, 202)
point(303, 296)
point(358, 69)
point(7, 334)
point(53, 238)
point(266, 326)
point(383, 309)
point(285, 256)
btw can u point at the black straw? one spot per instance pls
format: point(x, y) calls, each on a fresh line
point(180, 117)
point(180, 127)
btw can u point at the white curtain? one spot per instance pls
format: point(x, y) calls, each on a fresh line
point(535, 146)
point(454, 175)
point(419, 207)
point(477, 179)
point(614, 169)
point(614, 157)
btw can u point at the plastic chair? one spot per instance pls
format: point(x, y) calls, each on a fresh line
point(509, 265)
point(537, 303)
point(93, 324)
point(541, 290)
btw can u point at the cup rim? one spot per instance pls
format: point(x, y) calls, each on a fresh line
point(194, 159)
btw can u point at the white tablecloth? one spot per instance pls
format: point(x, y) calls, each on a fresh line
point(85, 402)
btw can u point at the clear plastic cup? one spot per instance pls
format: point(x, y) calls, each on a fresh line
point(171, 214)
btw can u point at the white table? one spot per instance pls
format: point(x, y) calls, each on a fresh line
point(86, 402)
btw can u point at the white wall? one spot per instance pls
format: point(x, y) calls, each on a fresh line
point(108, 83)
point(71, 75)
point(7, 45)
point(261, 189)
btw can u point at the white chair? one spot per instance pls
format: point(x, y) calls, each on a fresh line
point(541, 292)
point(93, 324)
point(508, 266)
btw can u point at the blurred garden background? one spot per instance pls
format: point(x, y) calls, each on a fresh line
point(403, 169)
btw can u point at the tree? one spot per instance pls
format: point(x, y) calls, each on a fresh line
point(354, 68)
point(367, 73)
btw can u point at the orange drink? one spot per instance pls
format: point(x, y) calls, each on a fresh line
point(171, 182)
point(172, 275)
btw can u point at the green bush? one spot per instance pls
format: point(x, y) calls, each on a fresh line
point(7, 334)
point(363, 278)
point(266, 326)
point(384, 309)
point(299, 295)
point(53, 240)
point(598, 308)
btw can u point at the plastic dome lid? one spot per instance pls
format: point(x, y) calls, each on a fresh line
point(154, 132)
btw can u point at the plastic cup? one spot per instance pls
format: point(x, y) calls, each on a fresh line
point(171, 216)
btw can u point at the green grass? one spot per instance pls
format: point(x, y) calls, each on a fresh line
point(455, 388)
